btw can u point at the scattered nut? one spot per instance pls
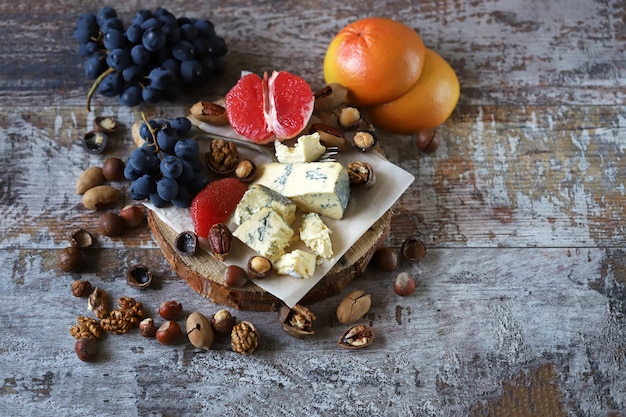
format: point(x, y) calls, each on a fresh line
point(244, 338)
point(353, 306)
point(99, 303)
point(100, 197)
point(349, 117)
point(235, 276)
point(365, 140)
point(81, 239)
point(89, 178)
point(259, 267)
point(209, 112)
point(220, 240)
point(297, 321)
point(385, 259)
point(81, 288)
point(70, 259)
point(245, 170)
point(169, 332)
point(186, 243)
point(87, 327)
point(95, 141)
point(170, 310)
point(356, 337)
point(86, 349)
point(330, 136)
point(133, 215)
point(361, 174)
point(222, 156)
point(147, 327)
point(107, 124)
point(413, 249)
point(113, 169)
point(110, 224)
point(427, 140)
point(199, 331)
point(404, 284)
point(223, 322)
point(139, 277)
point(330, 96)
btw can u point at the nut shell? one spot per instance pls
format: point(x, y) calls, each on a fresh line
point(139, 277)
point(95, 141)
point(86, 349)
point(113, 169)
point(404, 284)
point(297, 321)
point(235, 277)
point(223, 322)
point(353, 306)
point(222, 157)
point(259, 267)
point(361, 174)
point(413, 249)
point(199, 331)
point(357, 337)
point(111, 224)
point(170, 310)
point(81, 239)
point(220, 240)
point(106, 124)
point(245, 170)
point(70, 259)
point(169, 332)
point(147, 328)
point(186, 243)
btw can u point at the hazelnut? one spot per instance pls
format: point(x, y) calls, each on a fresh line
point(133, 215)
point(385, 259)
point(95, 141)
point(349, 117)
point(220, 240)
point(139, 277)
point(353, 306)
point(169, 332)
point(413, 249)
point(81, 288)
point(404, 284)
point(245, 170)
point(235, 276)
point(170, 310)
point(365, 139)
point(223, 321)
point(81, 239)
point(110, 224)
point(113, 169)
point(69, 259)
point(356, 337)
point(186, 243)
point(147, 327)
point(259, 267)
point(427, 140)
point(106, 124)
point(86, 349)
point(199, 331)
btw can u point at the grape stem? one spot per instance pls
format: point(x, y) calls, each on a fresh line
point(95, 85)
point(152, 131)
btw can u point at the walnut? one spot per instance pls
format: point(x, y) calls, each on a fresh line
point(222, 156)
point(99, 303)
point(87, 327)
point(244, 338)
point(121, 320)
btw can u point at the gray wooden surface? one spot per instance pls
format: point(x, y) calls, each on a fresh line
point(520, 306)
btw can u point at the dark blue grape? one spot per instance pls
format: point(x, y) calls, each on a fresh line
point(212, 65)
point(188, 32)
point(91, 47)
point(166, 139)
point(158, 201)
point(113, 23)
point(142, 159)
point(197, 183)
point(196, 164)
point(111, 85)
point(161, 55)
point(183, 198)
point(183, 20)
point(171, 166)
point(167, 188)
point(133, 73)
point(172, 65)
point(205, 28)
point(106, 13)
point(172, 92)
point(134, 33)
point(141, 187)
point(141, 16)
point(172, 33)
point(152, 23)
point(131, 96)
point(165, 16)
point(153, 39)
point(151, 95)
point(188, 172)
point(140, 55)
point(114, 39)
point(95, 65)
point(82, 50)
point(219, 45)
point(87, 18)
point(183, 51)
point(85, 32)
point(118, 59)
point(203, 48)
point(161, 78)
point(191, 72)
point(186, 149)
point(144, 131)
point(182, 126)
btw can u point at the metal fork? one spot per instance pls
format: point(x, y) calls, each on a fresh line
point(328, 156)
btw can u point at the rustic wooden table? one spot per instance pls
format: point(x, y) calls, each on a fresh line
point(520, 306)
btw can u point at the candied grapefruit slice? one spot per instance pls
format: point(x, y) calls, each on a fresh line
point(215, 203)
point(269, 108)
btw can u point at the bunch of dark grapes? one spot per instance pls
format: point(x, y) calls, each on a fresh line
point(150, 60)
point(166, 168)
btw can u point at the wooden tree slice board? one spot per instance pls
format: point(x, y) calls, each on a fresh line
point(204, 274)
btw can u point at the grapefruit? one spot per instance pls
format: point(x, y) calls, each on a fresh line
point(269, 108)
point(377, 59)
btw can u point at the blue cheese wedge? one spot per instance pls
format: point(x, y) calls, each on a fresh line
point(307, 149)
point(315, 187)
point(266, 232)
point(259, 196)
point(298, 263)
point(315, 234)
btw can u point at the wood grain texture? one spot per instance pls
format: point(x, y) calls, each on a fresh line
point(520, 303)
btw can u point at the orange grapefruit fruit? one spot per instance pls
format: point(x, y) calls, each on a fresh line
point(427, 104)
point(275, 107)
point(377, 59)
